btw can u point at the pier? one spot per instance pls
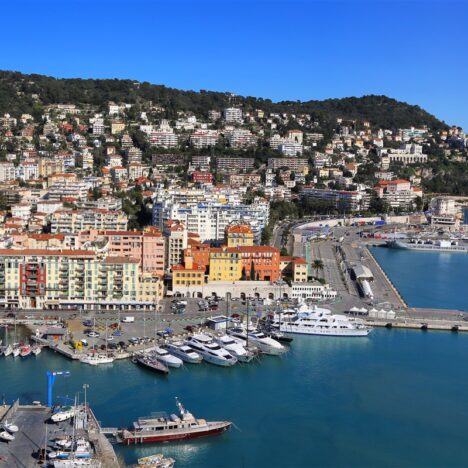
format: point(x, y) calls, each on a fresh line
point(37, 434)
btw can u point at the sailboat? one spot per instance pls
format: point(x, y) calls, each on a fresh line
point(16, 346)
point(7, 349)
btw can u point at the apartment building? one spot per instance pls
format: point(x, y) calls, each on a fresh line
point(409, 153)
point(164, 139)
point(7, 171)
point(232, 115)
point(204, 138)
point(290, 148)
point(48, 279)
point(81, 220)
point(235, 164)
point(176, 238)
point(295, 164)
point(147, 246)
point(397, 193)
point(241, 138)
point(339, 199)
point(238, 235)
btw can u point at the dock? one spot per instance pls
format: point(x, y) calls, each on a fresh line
point(37, 433)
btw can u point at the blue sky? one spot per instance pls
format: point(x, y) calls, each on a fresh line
point(412, 50)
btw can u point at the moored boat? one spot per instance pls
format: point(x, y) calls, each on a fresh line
point(184, 352)
point(163, 428)
point(156, 461)
point(210, 351)
point(25, 350)
point(5, 435)
point(151, 363)
point(97, 359)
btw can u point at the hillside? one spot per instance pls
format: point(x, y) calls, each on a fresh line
point(17, 91)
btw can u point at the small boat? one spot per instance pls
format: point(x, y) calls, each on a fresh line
point(11, 428)
point(8, 350)
point(5, 435)
point(36, 350)
point(167, 359)
point(16, 350)
point(97, 359)
point(151, 363)
point(163, 428)
point(156, 461)
point(77, 462)
point(64, 443)
point(25, 351)
point(184, 352)
point(63, 414)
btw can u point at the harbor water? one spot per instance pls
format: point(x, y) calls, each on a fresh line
point(427, 279)
point(395, 398)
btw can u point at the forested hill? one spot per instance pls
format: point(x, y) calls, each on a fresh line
point(21, 93)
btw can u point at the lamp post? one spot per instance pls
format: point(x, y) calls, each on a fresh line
point(85, 387)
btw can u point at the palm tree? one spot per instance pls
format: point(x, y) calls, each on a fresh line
point(317, 265)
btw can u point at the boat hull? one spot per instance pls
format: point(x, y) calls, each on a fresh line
point(348, 334)
point(158, 438)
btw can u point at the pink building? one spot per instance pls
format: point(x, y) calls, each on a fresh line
point(147, 246)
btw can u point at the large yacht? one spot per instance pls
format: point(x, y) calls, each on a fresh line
point(184, 352)
point(258, 339)
point(209, 350)
point(235, 346)
point(163, 428)
point(319, 321)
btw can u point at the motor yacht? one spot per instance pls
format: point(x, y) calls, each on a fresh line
point(235, 346)
point(210, 351)
point(184, 352)
point(258, 339)
point(165, 357)
point(315, 320)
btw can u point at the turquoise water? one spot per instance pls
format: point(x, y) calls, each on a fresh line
point(397, 398)
point(427, 279)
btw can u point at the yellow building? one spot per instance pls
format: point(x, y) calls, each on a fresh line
point(239, 235)
point(189, 274)
point(225, 264)
point(117, 127)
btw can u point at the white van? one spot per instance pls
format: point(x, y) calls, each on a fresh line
point(128, 319)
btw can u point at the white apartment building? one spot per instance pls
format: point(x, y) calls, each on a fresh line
point(27, 170)
point(204, 138)
point(7, 171)
point(241, 138)
point(290, 149)
point(81, 220)
point(164, 139)
point(232, 114)
point(409, 153)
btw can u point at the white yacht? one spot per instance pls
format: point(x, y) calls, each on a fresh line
point(97, 359)
point(264, 343)
point(8, 350)
point(63, 414)
point(163, 356)
point(210, 351)
point(235, 346)
point(184, 352)
point(320, 321)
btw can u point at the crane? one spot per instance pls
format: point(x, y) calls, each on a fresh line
point(51, 376)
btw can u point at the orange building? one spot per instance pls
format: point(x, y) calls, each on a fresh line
point(199, 252)
point(260, 262)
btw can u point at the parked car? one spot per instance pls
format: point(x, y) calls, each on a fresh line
point(117, 333)
point(88, 323)
point(94, 334)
